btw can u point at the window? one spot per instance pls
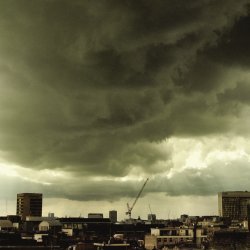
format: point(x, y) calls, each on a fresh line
point(44, 228)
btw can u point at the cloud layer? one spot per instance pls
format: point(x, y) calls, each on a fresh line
point(97, 88)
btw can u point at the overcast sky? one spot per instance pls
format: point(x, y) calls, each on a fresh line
point(96, 96)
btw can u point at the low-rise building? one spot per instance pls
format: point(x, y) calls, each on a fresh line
point(6, 225)
point(53, 226)
point(73, 226)
point(31, 223)
point(209, 221)
point(168, 236)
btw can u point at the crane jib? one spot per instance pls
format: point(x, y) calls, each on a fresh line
point(137, 197)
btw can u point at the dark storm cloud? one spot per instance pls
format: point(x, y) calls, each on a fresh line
point(233, 47)
point(101, 190)
point(240, 94)
point(206, 181)
point(8, 185)
point(73, 190)
point(87, 85)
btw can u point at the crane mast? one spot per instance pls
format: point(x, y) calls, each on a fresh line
point(136, 199)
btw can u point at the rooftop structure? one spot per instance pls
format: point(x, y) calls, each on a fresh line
point(95, 215)
point(113, 216)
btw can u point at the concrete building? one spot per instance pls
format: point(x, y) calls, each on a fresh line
point(15, 220)
point(29, 204)
point(171, 236)
point(113, 216)
point(73, 226)
point(31, 223)
point(233, 204)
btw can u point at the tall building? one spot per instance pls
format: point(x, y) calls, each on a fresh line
point(29, 204)
point(234, 204)
point(113, 216)
point(248, 216)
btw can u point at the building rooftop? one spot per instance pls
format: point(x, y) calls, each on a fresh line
point(53, 222)
point(84, 220)
point(235, 194)
point(6, 224)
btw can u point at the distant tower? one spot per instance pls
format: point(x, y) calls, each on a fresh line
point(29, 204)
point(152, 218)
point(113, 216)
point(51, 215)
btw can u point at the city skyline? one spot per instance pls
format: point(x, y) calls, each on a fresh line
point(208, 207)
point(96, 96)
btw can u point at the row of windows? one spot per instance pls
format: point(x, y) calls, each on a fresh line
point(174, 232)
point(29, 207)
point(165, 240)
point(73, 225)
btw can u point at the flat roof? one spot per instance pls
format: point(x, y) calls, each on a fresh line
point(242, 194)
point(30, 194)
point(83, 220)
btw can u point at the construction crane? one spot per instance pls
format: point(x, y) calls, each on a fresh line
point(131, 208)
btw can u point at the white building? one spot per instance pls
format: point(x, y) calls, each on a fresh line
point(168, 236)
